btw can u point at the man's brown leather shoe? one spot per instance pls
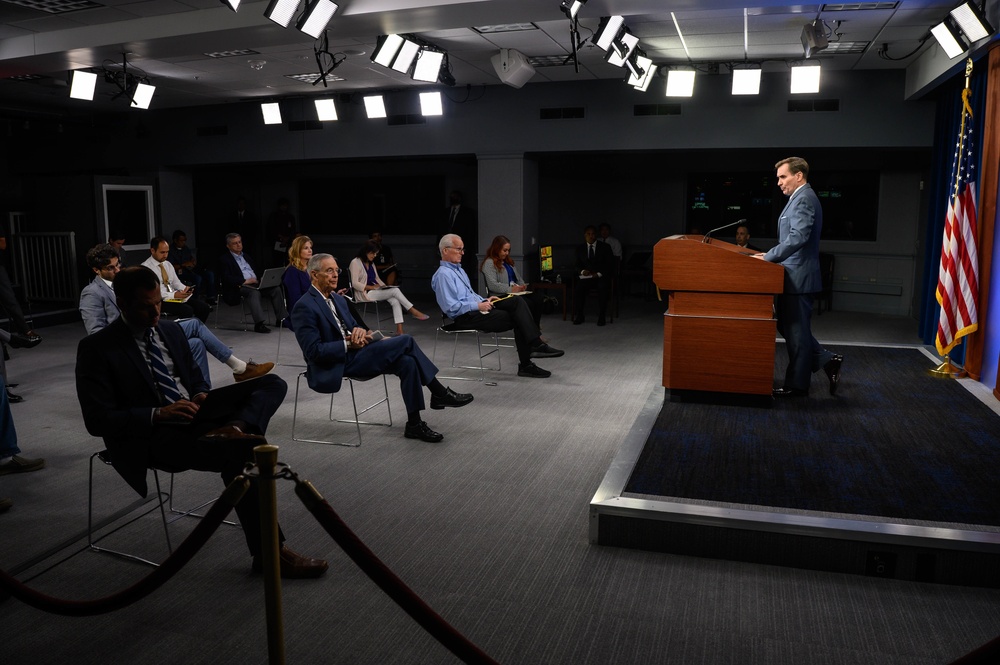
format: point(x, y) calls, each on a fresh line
point(293, 565)
point(230, 433)
point(254, 370)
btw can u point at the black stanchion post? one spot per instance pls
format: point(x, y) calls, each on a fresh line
point(266, 457)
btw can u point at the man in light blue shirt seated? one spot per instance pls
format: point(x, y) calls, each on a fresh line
point(470, 311)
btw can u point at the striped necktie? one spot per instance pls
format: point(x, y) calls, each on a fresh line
point(164, 382)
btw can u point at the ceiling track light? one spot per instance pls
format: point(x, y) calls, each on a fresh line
point(805, 79)
point(949, 37)
point(316, 16)
point(428, 65)
point(281, 11)
point(571, 8)
point(132, 83)
point(271, 112)
point(680, 83)
point(375, 106)
point(607, 31)
point(972, 21)
point(83, 85)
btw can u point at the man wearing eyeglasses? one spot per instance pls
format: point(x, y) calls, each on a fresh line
point(471, 311)
point(336, 345)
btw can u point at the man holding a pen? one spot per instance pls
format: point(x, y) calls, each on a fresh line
point(470, 311)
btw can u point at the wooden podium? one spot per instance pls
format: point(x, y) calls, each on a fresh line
point(719, 329)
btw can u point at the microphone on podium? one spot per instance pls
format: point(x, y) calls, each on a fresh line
point(722, 228)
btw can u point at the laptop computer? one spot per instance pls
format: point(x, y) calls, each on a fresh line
point(270, 279)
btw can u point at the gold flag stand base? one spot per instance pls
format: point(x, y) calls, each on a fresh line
point(948, 371)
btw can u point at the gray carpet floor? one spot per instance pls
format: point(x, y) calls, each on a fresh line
point(489, 527)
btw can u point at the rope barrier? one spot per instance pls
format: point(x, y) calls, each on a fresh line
point(184, 553)
point(386, 580)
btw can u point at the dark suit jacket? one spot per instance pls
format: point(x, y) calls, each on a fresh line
point(232, 277)
point(321, 339)
point(117, 393)
point(603, 261)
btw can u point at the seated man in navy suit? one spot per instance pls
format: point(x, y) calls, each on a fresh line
point(335, 345)
point(140, 390)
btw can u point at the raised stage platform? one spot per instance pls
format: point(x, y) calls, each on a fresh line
point(863, 544)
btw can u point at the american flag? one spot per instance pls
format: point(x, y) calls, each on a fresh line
point(958, 278)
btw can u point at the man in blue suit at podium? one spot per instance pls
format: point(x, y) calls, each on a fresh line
point(799, 228)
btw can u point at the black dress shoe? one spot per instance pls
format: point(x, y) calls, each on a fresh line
point(789, 392)
point(261, 328)
point(293, 565)
point(420, 430)
point(546, 351)
point(832, 369)
point(601, 321)
point(19, 341)
point(577, 320)
point(450, 398)
point(533, 371)
point(12, 398)
point(230, 433)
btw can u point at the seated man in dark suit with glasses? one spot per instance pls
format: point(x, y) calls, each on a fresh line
point(140, 390)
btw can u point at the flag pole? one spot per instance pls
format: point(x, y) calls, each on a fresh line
point(947, 369)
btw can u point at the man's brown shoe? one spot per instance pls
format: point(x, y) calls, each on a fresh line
point(254, 370)
point(293, 565)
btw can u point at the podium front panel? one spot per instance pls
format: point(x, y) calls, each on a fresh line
point(718, 354)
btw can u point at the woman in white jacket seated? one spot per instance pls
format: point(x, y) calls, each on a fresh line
point(369, 287)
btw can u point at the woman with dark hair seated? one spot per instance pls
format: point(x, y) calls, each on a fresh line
point(502, 277)
point(368, 287)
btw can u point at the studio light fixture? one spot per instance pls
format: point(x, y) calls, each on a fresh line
point(281, 11)
point(572, 7)
point(428, 65)
point(814, 38)
point(430, 103)
point(271, 112)
point(325, 109)
point(746, 81)
point(805, 79)
point(143, 95)
point(386, 49)
point(949, 39)
point(641, 81)
point(404, 58)
point(316, 16)
point(83, 85)
point(232, 4)
point(680, 83)
point(607, 31)
point(375, 106)
point(972, 21)
point(131, 83)
point(621, 48)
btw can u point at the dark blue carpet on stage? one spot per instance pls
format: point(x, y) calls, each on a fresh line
point(893, 442)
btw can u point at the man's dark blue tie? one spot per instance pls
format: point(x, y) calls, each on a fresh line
point(165, 382)
point(590, 251)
